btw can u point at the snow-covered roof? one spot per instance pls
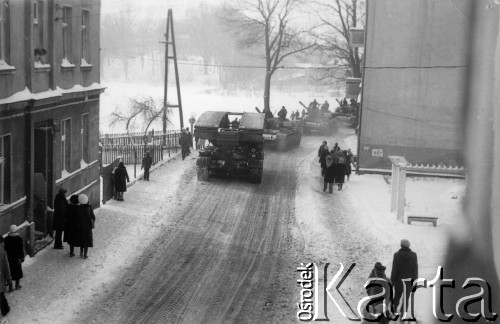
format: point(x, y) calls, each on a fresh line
point(26, 94)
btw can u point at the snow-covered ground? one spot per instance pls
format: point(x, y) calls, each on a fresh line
point(55, 287)
point(374, 228)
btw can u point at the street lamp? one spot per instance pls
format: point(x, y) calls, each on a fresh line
point(191, 121)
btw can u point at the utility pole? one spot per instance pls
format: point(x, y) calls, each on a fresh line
point(170, 40)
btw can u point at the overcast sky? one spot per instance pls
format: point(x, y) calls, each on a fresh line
point(154, 8)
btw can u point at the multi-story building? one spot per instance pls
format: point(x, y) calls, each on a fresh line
point(49, 108)
point(413, 83)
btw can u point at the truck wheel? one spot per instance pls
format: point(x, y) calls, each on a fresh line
point(255, 176)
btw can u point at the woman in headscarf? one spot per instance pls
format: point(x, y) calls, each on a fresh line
point(72, 221)
point(86, 219)
point(121, 179)
point(15, 254)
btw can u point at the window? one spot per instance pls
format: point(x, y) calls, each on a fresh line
point(5, 158)
point(66, 33)
point(38, 24)
point(85, 138)
point(66, 145)
point(4, 32)
point(85, 38)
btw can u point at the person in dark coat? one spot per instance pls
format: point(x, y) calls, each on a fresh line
point(378, 272)
point(5, 279)
point(184, 143)
point(329, 174)
point(404, 266)
point(14, 247)
point(322, 153)
point(121, 179)
point(340, 168)
point(147, 161)
point(60, 206)
point(190, 138)
point(86, 220)
point(72, 221)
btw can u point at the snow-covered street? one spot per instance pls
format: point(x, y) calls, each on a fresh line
point(178, 250)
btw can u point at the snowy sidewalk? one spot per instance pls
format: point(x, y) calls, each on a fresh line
point(372, 231)
point(55, 287)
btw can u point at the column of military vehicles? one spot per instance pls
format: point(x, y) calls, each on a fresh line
point(237, 147)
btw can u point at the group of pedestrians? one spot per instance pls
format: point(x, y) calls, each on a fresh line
point(404, 271)
point(76, 220)
point(335, 165)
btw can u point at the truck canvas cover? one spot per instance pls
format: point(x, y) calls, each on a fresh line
point(210, 119)
point(252, 121)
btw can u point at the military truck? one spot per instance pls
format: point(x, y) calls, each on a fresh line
point(234, 149)
point(280, 133)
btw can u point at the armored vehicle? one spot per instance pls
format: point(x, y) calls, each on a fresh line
point(235, 149)
point(347, 115)
point(318, 121)
point(280, 133)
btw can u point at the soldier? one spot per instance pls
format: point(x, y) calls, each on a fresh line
point(325, 106)
point(313, 105)
point(354, 104)
point(282, 113)
point(235, 123)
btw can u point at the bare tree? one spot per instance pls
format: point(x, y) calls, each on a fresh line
point(141, 114)
point(337, 18)
point(265, 23)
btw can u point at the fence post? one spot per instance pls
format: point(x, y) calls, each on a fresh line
point(401, 195)
point(394, 187)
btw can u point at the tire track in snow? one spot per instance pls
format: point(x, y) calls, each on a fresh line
point(220, 258)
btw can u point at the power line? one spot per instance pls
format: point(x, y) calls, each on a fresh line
point(416, 67)
point(196, 63)
point(431, 123)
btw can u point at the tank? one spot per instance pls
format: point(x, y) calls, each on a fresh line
point(281, 134)
point(235, 149)
point(347, 115)
point(318, 121)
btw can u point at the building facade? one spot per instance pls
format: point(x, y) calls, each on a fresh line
point(414, 82)
point(49, 108)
